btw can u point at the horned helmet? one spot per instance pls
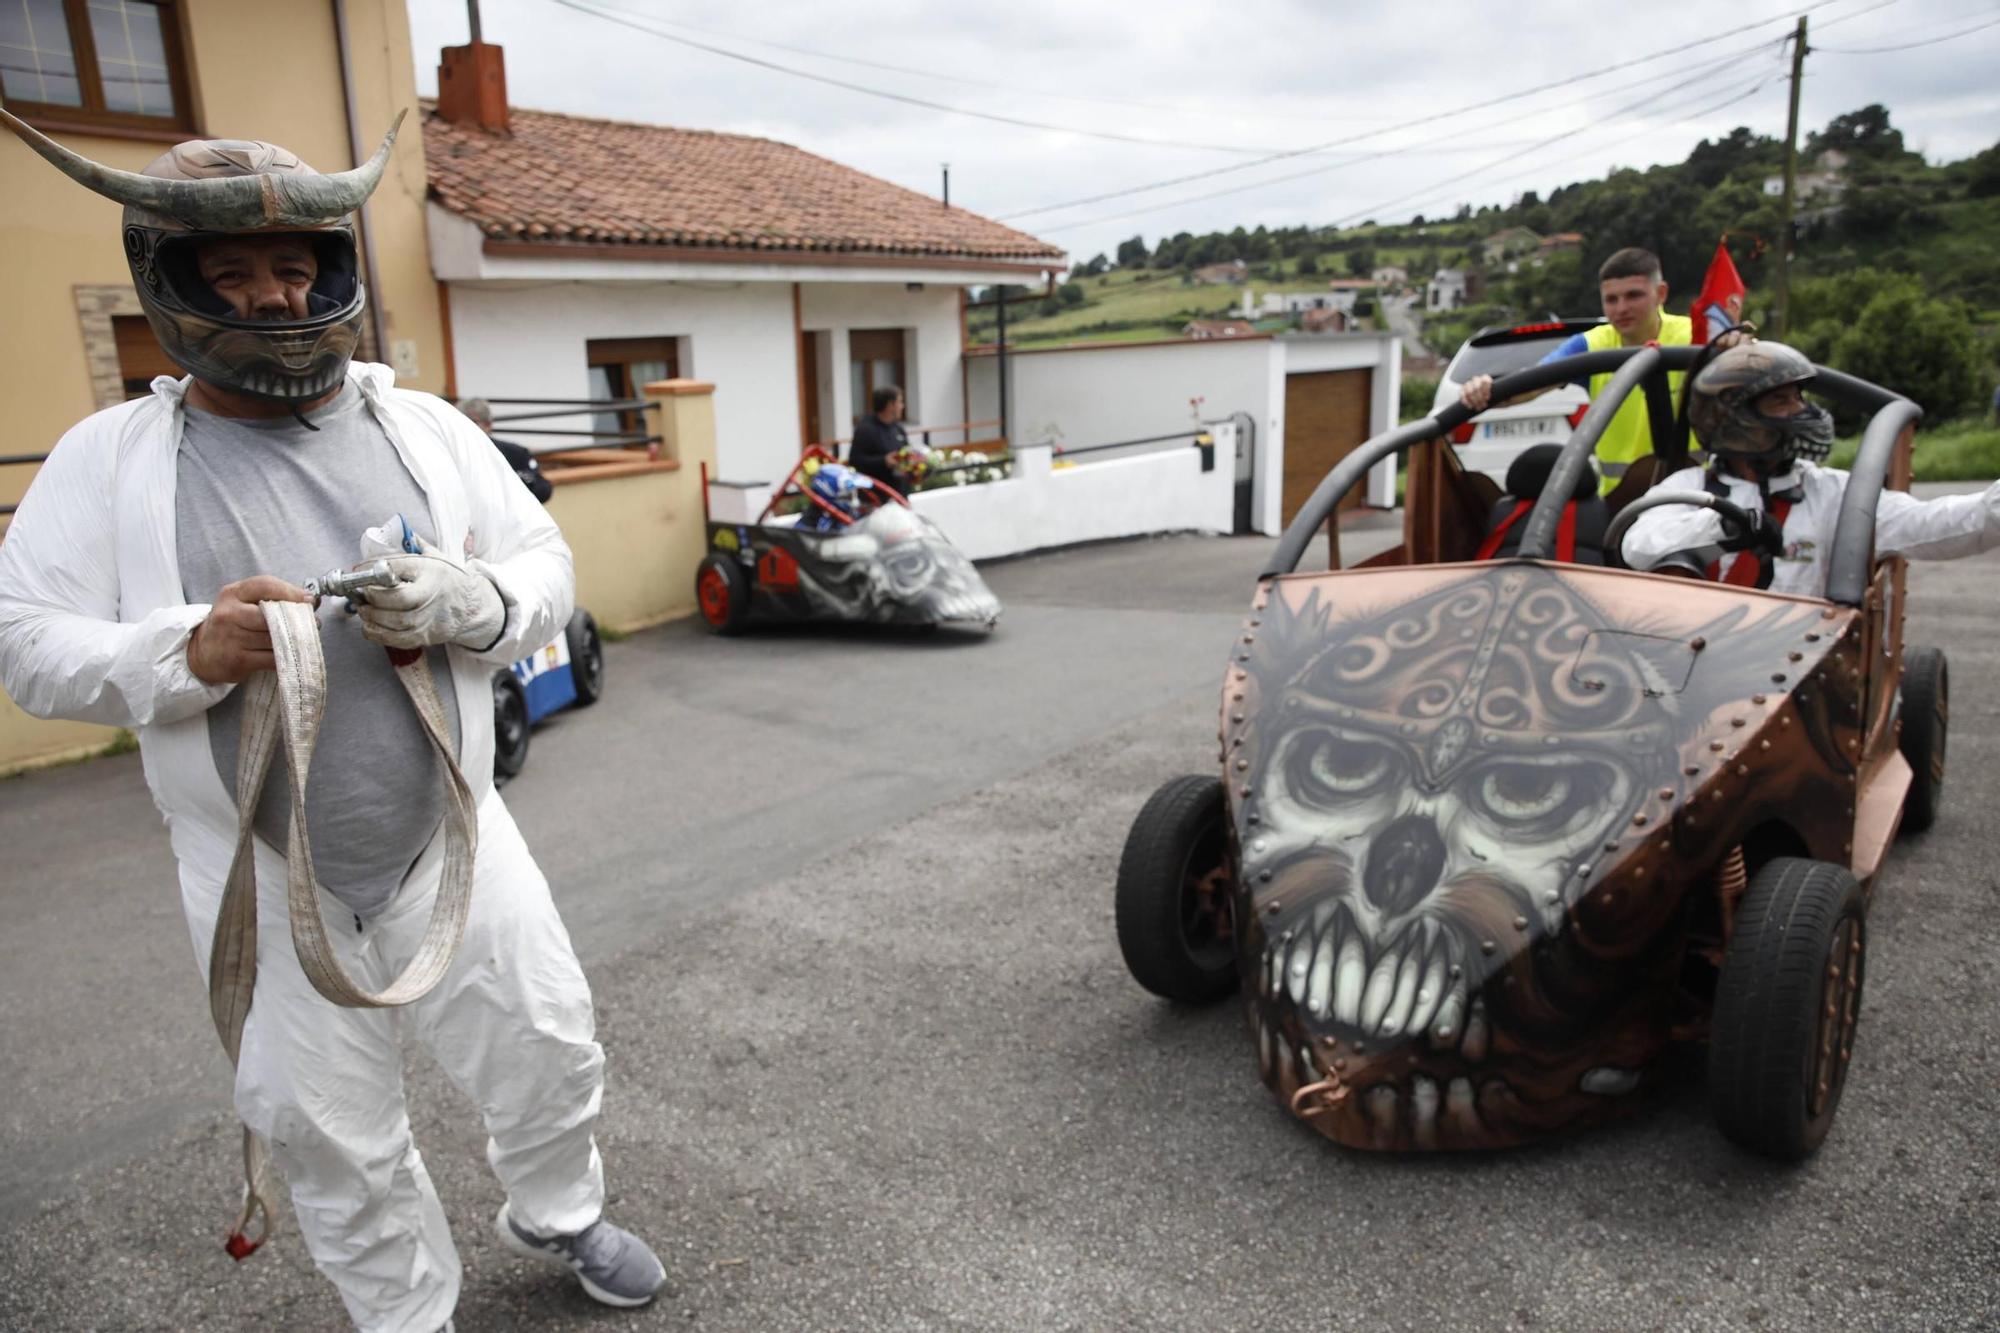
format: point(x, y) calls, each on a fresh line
point(206, 188)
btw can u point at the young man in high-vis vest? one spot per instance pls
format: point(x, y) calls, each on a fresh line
point(1634, 295)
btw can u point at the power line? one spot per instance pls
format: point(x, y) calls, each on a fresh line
point(967, 82)
point(1700, 72)
point(925, 103)
point(1905, 46)
point(1396, 150)
point(1756, 86)
point(1422, 120)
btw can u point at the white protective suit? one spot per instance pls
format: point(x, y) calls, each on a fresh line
point(1940, 529)
point(93, 627)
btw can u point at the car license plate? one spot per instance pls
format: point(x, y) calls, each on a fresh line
point(1532, 427)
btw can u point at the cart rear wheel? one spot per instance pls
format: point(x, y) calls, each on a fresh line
point(510, 724)
point(722, 593)
point(1173, 906)
point(586, 657)
point(1925, 714)
point(1786, 1006)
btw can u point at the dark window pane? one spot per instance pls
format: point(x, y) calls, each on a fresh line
point(131, 57)
point(36, 64)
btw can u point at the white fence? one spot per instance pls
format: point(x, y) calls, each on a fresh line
point(1049, 501)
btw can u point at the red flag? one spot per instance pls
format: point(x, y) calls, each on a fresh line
point(1719, 305)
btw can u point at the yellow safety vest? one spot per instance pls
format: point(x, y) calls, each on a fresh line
point(1629, 437)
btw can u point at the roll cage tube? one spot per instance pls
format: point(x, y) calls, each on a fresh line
point(1850, 563)
point(1349, 470)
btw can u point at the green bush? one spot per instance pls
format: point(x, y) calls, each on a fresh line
point(1884, 328)
point(1417, 395)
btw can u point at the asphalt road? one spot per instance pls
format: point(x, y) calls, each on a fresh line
point(875, 1064)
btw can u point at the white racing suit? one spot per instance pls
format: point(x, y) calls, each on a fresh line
point(93, 627)
point(1940, 529)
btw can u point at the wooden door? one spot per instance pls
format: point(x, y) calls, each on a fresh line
point(1326, 418)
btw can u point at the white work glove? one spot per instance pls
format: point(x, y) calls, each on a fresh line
point(436, 601)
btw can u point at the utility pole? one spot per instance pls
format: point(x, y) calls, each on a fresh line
point(947, 185)
point(1781, 310)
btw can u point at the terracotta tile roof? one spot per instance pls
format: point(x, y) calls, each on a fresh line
point(604, 182)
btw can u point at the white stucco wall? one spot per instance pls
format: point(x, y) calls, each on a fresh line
point(1099, 393)
point(928, 317)
point(516, 339)
point(1042, 505)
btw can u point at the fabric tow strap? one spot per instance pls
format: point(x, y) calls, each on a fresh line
point(288, 703)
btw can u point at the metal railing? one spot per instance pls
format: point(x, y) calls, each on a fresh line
point(580, 439)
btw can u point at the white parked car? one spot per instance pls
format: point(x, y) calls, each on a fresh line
point(1489, 442)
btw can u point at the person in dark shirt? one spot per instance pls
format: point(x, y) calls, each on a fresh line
point(878, 436)
point(521, 459)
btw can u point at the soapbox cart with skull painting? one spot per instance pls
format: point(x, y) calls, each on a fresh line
point(885, 564)
point(1492, 834)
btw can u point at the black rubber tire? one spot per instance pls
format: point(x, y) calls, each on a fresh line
point(1926, 713)
point(586, 658)
point(729, 616)
point(1797, 921)
point(510, 724)
point(1178, 836)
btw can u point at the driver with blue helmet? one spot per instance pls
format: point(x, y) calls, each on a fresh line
point(835, 490)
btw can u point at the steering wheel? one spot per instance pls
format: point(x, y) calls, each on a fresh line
point(1735, 519)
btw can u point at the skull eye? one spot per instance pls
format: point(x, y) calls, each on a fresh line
point(1524, 793)
point(1342, 768)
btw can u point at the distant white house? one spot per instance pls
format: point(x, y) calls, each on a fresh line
point(1391, 277)
point(795, 285)
point(1446, 291)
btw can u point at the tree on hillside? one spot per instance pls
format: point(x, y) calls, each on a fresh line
point(1361, 261)
point(1308, 264)
point(1863, 133)
point(1710, 164)
point(1883, 327)
point(1132, 253)
point(1070, 294)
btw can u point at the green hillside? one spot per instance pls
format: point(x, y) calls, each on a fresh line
point(1886, 243)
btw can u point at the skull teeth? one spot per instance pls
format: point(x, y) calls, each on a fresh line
point(1331, 974)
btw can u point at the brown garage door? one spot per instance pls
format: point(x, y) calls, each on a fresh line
point(1326, 417)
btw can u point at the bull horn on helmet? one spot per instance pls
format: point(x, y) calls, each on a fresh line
point(230, 203)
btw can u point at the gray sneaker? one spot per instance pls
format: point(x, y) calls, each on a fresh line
point(614, 1265)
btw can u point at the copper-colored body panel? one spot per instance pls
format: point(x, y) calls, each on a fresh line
point(1473, 809)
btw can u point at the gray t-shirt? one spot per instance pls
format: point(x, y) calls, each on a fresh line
point(271, 497)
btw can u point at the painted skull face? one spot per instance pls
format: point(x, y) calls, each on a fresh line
point(1419, 804)
point(895, 565)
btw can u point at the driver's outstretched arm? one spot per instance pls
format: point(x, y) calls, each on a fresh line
point(1940, 529)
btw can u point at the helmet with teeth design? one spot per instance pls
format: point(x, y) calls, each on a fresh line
point(203, 189)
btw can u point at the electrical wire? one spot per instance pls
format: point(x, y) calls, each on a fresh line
point(965, 81)
point(1699, 73)
point(1373, 209)
point(1019, 122)
point(1422, 120)
point(1397, 150)
point(1905, 46)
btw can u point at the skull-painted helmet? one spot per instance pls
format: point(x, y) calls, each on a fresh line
point(203, 189)
point(1722, 407)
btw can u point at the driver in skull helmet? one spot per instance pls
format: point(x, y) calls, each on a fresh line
point(1764, 442)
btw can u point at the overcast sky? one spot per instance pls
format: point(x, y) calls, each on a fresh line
point(1229, 84)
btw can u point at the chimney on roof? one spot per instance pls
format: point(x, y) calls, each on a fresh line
point(472, 81)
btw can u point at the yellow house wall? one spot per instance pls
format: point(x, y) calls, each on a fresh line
point(56, 235)
point(637, 538)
